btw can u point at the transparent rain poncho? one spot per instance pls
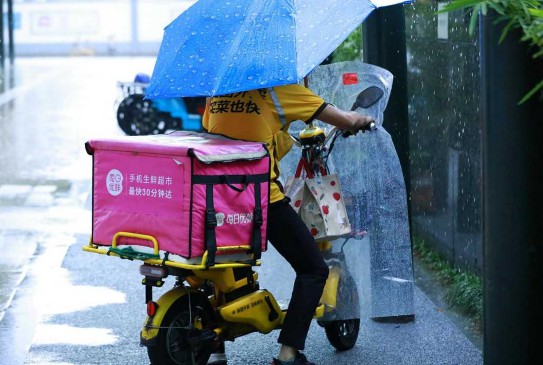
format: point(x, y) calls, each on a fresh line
point(377, 253)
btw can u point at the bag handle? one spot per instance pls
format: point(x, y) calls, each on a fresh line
point(244, 182)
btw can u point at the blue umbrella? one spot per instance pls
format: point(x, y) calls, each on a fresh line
point(222, 47)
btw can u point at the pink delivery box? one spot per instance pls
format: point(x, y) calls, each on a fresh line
point(191, 191)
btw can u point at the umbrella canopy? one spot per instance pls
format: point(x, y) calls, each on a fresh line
point(221, 47)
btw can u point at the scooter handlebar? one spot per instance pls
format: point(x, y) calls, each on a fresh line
point(367, 128)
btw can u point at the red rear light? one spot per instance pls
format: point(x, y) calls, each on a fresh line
point(151, 308)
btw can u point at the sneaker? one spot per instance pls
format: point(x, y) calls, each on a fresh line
point(217, 359)
point(300, 359)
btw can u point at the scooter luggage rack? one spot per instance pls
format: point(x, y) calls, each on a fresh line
point(155, 259)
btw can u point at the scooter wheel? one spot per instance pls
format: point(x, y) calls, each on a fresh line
point(342, 334)
point(137, 116)
point(175, 345)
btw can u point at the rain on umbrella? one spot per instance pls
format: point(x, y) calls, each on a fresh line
point(221, 47)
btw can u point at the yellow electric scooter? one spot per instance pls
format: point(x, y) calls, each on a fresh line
point(209, 304)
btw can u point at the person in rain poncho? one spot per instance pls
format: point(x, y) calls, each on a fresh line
point(264, 115)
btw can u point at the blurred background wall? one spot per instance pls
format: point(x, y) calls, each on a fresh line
point(88, 27)
point(444, 77)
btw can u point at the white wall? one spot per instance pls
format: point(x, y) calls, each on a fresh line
point(154, 15)
point(94, 26)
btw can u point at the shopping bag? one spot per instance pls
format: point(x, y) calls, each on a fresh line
point(320, 204)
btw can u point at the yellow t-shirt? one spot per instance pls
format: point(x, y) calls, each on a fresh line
point(253, 116)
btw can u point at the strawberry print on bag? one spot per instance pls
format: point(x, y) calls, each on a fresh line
point(320, 204)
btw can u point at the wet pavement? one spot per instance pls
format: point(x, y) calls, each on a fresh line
point(60, 305)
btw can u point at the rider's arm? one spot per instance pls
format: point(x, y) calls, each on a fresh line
point(344, 120)
point(299, 103)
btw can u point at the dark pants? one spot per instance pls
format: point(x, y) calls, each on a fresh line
point(290, 236)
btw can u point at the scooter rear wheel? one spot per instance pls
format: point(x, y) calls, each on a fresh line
point(176, 331)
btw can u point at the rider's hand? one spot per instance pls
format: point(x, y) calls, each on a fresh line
point(345, 120)
point(362, 123)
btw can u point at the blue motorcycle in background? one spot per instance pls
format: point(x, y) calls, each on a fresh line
point(139, 116)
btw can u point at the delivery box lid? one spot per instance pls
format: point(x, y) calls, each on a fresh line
point(206, 147)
